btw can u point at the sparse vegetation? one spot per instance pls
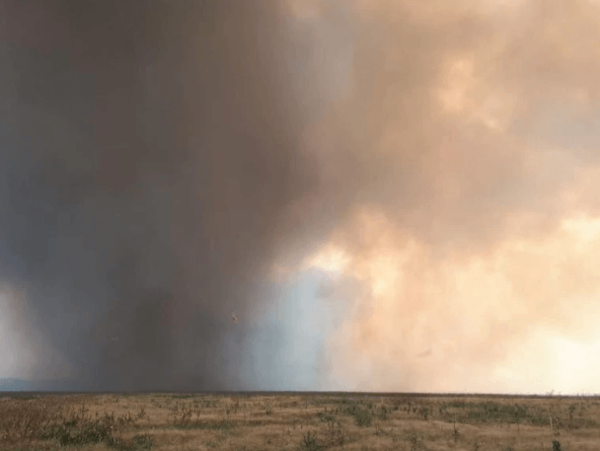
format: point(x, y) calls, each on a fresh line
point(294, 422)
point(310, 443)
point(362, 416)
point(325, 417)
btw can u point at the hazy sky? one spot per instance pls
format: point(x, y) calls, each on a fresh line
point(390, 195)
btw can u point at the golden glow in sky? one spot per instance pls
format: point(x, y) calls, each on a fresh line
point(475, 230)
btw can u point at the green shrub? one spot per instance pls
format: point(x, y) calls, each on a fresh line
point(310, 443)
point(362, 417)
point(143, 442)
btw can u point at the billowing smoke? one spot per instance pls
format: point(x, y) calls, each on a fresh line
point(191, 189)
point(470, 145)
point(152, 168)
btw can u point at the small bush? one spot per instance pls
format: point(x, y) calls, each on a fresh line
point(362, 417)
point(414, 440)
point(143, 442)
point(88, 434)
point(334, 435)
point(325, 417)
point(382, 412)
point(309, 443)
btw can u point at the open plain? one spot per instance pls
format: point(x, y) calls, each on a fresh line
point(297, 421)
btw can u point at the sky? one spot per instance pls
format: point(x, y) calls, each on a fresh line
point(389, 195)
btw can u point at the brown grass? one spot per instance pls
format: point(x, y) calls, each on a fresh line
point(298, 422)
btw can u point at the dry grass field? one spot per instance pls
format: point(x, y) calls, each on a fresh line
point(303, 422)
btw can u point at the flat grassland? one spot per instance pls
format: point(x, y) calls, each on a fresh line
point(298, 421)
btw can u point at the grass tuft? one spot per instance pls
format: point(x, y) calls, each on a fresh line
point(310, 443)
point(362, 416)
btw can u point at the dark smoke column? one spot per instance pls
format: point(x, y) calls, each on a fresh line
point(149, 155)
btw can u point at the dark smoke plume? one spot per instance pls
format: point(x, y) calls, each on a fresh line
point(422, 174)
point(150, 168)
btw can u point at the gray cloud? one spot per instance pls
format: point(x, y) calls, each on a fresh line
point(159, 161)
point(150, 155)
